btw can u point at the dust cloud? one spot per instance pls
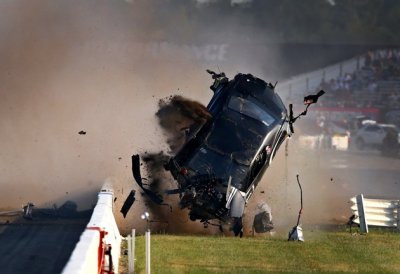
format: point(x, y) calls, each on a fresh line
point(67, 68)
point(93, 66)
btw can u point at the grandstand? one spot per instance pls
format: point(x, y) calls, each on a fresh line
point(367, 85)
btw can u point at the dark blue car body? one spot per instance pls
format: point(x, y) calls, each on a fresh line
point(222, 161)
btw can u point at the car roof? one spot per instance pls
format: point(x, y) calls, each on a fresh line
point(259, 89)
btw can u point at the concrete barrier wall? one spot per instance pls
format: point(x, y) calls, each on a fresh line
point(340, 142)
point(100, 238)
point(317, 142)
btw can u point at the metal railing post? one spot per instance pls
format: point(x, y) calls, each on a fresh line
point(128, 239)
point(361, 214)
point(148, 251)
point(131, 252)
point(398, 215)
point(133, 249)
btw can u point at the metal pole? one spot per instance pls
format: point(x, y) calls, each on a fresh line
point(361, 214)
point(398, 215)
point(133, 249)
point(129, 255)
point(148, 251)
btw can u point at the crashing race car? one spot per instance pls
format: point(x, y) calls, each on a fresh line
point(222, 161)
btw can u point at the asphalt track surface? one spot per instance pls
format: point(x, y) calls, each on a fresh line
point(42, 245)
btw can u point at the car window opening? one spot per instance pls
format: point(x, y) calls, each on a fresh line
point(249, 107)
point(232, 138)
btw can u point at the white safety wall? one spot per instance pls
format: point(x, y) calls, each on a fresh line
point(85, 258)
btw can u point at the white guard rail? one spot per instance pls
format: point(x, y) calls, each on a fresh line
point(376, 212)
point(98, 249)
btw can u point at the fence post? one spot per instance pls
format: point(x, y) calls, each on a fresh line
point(361, 214)
point(133, 250)
point(148, 251)
point(128, 239)
point(398, 215)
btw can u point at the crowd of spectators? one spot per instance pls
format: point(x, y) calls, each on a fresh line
point(362, 88)
point(373, 88)
point(384, 64)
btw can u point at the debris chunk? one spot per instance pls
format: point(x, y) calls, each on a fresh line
point(128, 203)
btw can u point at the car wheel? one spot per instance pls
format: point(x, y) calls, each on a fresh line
point(360, 144)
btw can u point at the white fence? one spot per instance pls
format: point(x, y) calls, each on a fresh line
point(98, 249)
point(375, 212)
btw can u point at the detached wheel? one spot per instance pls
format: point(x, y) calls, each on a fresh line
point(360, 144)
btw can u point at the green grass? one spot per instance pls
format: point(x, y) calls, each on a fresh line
point(377, 252)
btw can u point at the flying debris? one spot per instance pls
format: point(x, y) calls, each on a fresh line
point(312, 99)
point(296, 233)
point(28, 210)
point(263, 219)
point(128, 203)
point(222, 161)
point(155, 197)
point(308, 100)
